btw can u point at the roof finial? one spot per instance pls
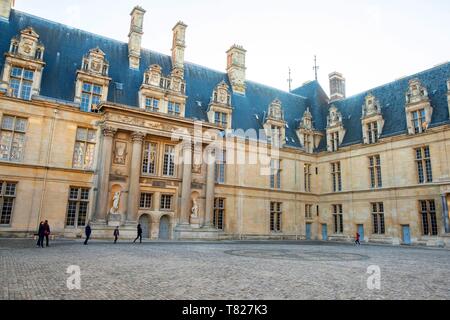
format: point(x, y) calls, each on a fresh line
point(289, 80)
point(316, 67)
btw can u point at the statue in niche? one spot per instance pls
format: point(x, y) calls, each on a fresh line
point(194, 210)
point(116, 202)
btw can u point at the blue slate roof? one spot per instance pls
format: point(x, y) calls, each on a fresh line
point(65, 47)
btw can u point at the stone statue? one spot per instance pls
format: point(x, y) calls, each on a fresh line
point(116, 202)
point(194, 210)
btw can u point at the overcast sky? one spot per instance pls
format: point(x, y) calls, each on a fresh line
point(371, 42)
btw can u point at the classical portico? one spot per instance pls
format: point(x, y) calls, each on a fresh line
point(165, 195)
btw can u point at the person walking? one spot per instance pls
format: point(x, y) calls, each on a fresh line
point(41, 234)
point(46, 232)
point(88, 232)
point(358, 238)
point(116, 235)
point(139, 234)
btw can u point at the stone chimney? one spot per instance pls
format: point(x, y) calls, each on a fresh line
point(178, 45)
point(236, 68)
point(337, 86)
point(5, 8)
point(135, 37)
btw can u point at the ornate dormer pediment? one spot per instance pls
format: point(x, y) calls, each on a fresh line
point(335, 129)
point(153, 75)
point(372, 119)
point(274, 124)
point(177, 83)
point(23, 66)
point(334, 118)
point(308, 136)
point(95, 63)
point(416, 92)
point(418, 109)
point(220, 110)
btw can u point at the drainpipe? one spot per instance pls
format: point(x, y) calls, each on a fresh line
point(47, 164)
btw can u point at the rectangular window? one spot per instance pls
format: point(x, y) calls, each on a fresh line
point(152, 104)
point(336, 176)
point(149, 158)
point(372, 132)
point(423, 160)
point(219, 213)
point(338, 219)
point(428, 216)
point(91, 95)
point(307, 177)
point(83, 155)
point(12, 138)
point(146, 201)
point(275, 175)
point(77, 209)
point(7, 199)
point(419, 119)
point(275, 217)
point(166, 202)
point(221, 119)
point(173, 108)
point(308, 211)
point(378, 218)
point(169, 161)
point(21, 83)
point(375, 172)
point(221, 158)
point(334, 141)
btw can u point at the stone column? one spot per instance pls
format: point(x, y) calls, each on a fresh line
point(135, 176)
point(104, 169)
point(210, 188)
point(445, 213)
point(186, 184)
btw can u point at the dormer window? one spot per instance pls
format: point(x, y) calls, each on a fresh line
point(308, 136)
point(274, 125)
point(23, 65)
point(173, 109)
point(335, 129)
point(220, 110)
point(372, 120)
point(372, 132)
point(152, 104)
point(92, 81)
point(418, 108)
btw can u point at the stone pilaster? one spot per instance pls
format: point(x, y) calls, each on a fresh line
point(104, 169)
point(135, 174)
point(186, 185)
point(210, 188)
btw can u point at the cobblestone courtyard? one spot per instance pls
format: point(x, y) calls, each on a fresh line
point(226, 270)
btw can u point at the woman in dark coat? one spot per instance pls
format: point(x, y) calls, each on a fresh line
point(139, 234)
point(41, 235)
point(46, 232)
point(88, 232)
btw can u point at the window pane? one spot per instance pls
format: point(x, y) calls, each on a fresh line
point(5, 143)
point(82, 214)
point(84, 194)
point(21, 125)
point(87, 87)
point(6, 212)
point(73, 195)
point(92, 136)
point(85, 102)
point(26, 90)
point(89, 157)
point(78, 155)
point(7, 123)
point(10, 189)
point(15, 86)
point(28, 75)
point(17, 147)
point(97, 90)
point(71, 213)
point(16, 72)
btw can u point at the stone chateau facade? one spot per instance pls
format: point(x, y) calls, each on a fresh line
point(87, 128)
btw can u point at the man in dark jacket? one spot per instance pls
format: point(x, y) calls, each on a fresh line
point(116, 235)
point(139, 233)
point(46, 232)
point(41, 234)
point(88, 232)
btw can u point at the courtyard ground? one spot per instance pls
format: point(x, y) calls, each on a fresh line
point(224, 271)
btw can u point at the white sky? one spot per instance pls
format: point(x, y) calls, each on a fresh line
point(371, 42)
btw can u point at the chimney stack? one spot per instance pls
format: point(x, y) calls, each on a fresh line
point(337, 86)
point(135, 37)
point(5, 9)
point(236, 68)
point(178, 45)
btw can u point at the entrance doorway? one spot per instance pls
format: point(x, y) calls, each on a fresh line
point(361, 231)
point(406, 233)
point(144, 221)
point(308, 231)
point(324, 232)
point(164, 228)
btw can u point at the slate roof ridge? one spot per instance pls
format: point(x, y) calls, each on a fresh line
point(417, 74)
point(67, 26)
